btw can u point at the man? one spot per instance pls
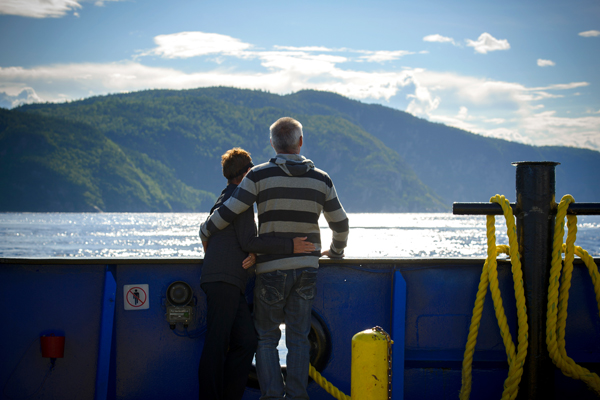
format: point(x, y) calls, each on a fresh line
point(290, 194)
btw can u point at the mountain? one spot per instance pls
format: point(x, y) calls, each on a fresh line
point(458, 165)
point(184, 133)
point(164, 148)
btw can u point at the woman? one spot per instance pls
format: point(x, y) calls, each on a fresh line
point(230, 338)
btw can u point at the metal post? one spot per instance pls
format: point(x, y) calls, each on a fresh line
point(535, 184)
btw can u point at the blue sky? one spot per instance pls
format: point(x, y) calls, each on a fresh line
point(522, 71)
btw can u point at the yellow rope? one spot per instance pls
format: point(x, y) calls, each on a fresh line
point(489, 276)
point(558, 299)
point(325, 384)
point(557, 304)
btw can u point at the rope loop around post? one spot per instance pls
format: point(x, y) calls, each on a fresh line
point(558, 294)
point(489, 277)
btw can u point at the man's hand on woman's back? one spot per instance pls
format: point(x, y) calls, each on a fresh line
point(303, 246)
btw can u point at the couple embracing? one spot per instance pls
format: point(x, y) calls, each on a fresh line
point(290, 194)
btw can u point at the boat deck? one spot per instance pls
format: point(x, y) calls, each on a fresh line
point(114, 353)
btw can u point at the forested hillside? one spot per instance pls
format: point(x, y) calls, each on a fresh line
point(159, 150)
point(48, 164)
point(184, 133)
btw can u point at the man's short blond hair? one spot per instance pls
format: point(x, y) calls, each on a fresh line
point(234, 162)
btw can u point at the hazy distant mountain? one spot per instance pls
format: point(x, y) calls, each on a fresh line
point(160, 150)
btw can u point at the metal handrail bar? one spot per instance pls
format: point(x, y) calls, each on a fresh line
point(495, 209)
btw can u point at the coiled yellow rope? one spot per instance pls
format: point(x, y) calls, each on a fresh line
point(325, 384)
point(557, 304)
point(558, 300)
point(489, 276)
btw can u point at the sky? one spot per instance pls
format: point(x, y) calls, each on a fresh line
point(525, 71)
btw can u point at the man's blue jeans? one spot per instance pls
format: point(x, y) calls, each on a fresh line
point(284, 297)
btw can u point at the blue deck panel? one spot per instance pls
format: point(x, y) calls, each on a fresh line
point(398, 334)
point(140, 357)
point(107, 318)
point(152, 361)
point(44, 299)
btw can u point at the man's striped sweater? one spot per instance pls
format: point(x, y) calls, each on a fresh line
point(290, 194)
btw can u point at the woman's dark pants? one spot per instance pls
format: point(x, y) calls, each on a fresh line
point(229, 345)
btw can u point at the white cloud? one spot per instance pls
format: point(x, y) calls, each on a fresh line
point(423, 102)
point(500, 109)
point(290, 68)
point(463, 113)
point(305, 48)
point(496, 121)
point(362, 85)
point(487, 42)
point(384, 55)
point(545, 63)
point(548, 129)
point(510, 134)
point(460, 120)
point(494, 108)
point(540, 129)
point(45, 8)
point(285, 72)
point(589, 33)
point(300, 63)
point(562, 86)
point(438, 38)
point(194, 44)
point(38, 8)
point(100, 3)
point(477, 91)
point(293, 71)
point(455, 122)
point(27, 95)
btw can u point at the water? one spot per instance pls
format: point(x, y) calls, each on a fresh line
point(164, 235)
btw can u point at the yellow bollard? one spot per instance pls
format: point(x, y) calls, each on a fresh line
point(370, 363)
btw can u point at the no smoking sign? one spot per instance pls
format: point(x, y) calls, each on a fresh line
point(136, 297)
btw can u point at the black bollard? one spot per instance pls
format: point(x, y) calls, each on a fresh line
point(535, 212)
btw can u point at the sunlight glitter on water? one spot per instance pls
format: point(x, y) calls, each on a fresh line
point(148, 235)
